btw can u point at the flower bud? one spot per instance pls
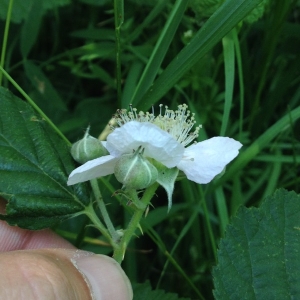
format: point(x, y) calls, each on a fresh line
point(135, 171)
point(87, 148)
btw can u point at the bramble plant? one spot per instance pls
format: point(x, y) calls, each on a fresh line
point(95, 155)
point(148, 150)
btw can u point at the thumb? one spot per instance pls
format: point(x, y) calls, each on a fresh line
point(61, 274)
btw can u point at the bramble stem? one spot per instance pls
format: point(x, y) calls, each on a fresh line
point(97, 193)
point(90, 213)
point(135, 220)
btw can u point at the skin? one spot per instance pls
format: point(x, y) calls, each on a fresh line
point(41, 265)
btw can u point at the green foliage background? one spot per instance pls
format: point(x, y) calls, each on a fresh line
point(240, 78)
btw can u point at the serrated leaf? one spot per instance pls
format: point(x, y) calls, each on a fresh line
point(143, 291)
point(34, 166)
point(260, 256)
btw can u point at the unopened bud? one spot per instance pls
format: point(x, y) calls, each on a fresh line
point(135, 171)
point(87, 148)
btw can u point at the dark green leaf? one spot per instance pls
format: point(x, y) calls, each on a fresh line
point(34, 166)
point(259, 258)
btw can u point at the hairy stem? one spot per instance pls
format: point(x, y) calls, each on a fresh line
point(135, 220)
point(97, 193)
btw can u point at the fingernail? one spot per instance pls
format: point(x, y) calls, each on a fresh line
point(104, 276)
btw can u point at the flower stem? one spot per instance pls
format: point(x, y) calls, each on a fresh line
point(89, 211)
point(135, 220)
point(97, 193)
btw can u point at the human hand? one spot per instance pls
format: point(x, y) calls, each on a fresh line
point(41, 265)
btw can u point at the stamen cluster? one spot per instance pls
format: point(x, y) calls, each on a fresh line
point(178, 123)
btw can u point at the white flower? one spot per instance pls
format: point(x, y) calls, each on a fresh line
point(163, 138)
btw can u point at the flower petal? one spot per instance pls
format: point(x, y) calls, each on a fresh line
point(203, 161)
point(158, 144)
point(93, 169)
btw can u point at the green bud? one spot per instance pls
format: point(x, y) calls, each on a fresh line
point(135, 171)
point(87, 148)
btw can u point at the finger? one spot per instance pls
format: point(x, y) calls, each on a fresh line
point(15, 238)
point(61, 274)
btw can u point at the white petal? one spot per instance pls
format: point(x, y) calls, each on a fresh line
point(103, 143)
point(93, 169)
point(203, 161)
point(157, 143)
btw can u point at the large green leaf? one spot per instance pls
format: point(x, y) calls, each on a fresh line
point(218, 25)
point(34, 166)
point(260, 256)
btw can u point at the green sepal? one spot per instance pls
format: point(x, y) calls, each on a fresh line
point(166, 178)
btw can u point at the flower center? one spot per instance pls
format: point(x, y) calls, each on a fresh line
point(178, 123)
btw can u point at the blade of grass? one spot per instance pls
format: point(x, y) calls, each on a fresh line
point(31, 102)
point(133, 76)
point(271, 39)
point(119, 19)
point(251, 152)
point(156, 11)
point(222, 209)
point(218, 25)
point(159, 51)
point(228, 50)
point(157, 240)
point(182, 234)
point(273, 179)
point(241, 79)
point(5, 37)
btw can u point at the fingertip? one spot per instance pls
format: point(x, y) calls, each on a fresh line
point(104, 276)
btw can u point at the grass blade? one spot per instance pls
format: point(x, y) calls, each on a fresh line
point(217, 26)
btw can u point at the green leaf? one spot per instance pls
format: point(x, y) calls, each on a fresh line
point(34, 166)
point(143, 291)
point(218, 25)
point(259, 258)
